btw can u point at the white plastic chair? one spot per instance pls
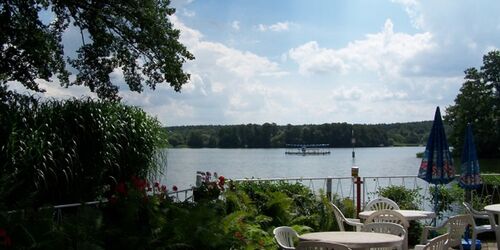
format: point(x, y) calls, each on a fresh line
point(438, 243)
point(456, 226)
point(477, 229)
point(285, 236)
point(320, 245)
point(381, 203)
point(393, 217)
point(341, 219)
point(388, 228)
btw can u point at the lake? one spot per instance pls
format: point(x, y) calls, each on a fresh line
point(182, 163)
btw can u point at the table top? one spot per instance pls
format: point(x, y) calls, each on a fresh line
point(408, 214)
point(356, 239)
point(493, 208)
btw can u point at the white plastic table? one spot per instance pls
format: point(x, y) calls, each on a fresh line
point(355, 240)
point(493, 211)
point(408, 214)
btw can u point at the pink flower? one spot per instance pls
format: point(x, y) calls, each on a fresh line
point(163, 188)
point(174, 188)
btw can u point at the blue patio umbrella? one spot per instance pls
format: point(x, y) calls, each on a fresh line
point(469, 177)
point(437, 163)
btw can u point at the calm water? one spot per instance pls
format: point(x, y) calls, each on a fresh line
point(182, 164)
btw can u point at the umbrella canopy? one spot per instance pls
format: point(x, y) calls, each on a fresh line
point(437, 163)
point(469, 178)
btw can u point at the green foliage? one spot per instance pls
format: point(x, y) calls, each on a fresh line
point(405, 198)
point(478, 103)
point(70, 151)
point(136, 36)
point(447, 197)
point(270, 135)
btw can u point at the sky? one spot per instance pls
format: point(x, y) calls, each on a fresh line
point(313, 62)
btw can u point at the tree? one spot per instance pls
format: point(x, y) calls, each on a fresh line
point(134, 35)
point(478, 103)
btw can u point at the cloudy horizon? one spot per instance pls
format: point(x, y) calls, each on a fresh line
point(294, 62)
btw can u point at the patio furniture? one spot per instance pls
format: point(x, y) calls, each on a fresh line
point(320, 245)
point(494, 212)
point(341, 219)
point(388, 228)
point(437, 243)
point(285, 236)
point(408, 214)
point(456, 226)
point(381, 203)
point(390, 216)
point(477, 229)
point(355, 239)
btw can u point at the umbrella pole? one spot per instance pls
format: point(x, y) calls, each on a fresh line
point(468, 195)
point(436, 198)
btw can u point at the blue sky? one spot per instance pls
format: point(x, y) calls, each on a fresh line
point(312, 62)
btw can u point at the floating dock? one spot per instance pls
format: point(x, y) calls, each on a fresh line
point(307, 149)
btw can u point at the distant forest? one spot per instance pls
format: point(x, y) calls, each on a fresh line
point(270, 135)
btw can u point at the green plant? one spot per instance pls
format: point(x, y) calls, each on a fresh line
point(405, 198)
point(446, 197)
point(57, 152)
point(209, 187)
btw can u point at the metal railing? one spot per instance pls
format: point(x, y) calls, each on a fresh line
point(342, 187)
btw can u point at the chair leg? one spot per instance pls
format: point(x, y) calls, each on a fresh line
point(473, 242)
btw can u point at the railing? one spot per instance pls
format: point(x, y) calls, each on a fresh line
point(342, 187)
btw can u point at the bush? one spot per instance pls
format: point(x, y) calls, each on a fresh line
point(71, 151)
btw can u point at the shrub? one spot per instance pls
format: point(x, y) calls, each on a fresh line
point(71, 151)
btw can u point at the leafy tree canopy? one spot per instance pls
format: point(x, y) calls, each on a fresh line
point(134, 35)
point(478, 103)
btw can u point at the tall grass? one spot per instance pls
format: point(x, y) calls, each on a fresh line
point(71, 151)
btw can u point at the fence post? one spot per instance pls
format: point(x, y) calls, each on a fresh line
point(358, 183)
point(329, 188)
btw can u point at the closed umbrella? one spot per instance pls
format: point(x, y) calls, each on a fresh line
point(437, 163)
point(469, 177)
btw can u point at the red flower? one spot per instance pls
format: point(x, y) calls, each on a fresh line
point(163, 188)
point(121, 188)
point(174, 188)
point(222, 180)
point(113, 200)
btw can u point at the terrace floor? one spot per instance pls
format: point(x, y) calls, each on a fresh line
point(488, 243)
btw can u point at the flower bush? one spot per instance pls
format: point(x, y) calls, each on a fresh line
point(209, 186)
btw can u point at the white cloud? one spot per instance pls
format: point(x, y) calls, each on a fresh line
point(277, 27)
point(235, 25)
point(383, 52)
point(188, 13)
point(412, 8)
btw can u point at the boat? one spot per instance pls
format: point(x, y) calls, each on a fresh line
point(307, 149)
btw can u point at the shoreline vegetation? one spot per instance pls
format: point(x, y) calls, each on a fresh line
point(270, 135)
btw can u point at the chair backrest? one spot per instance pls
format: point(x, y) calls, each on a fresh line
point(381, 203)
point(474, 212)
point(456, 228)
point(385, 227)
point(438, 243)
point(388, 216)
point(339, 216)
point(319, 245)
point(285, 236)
